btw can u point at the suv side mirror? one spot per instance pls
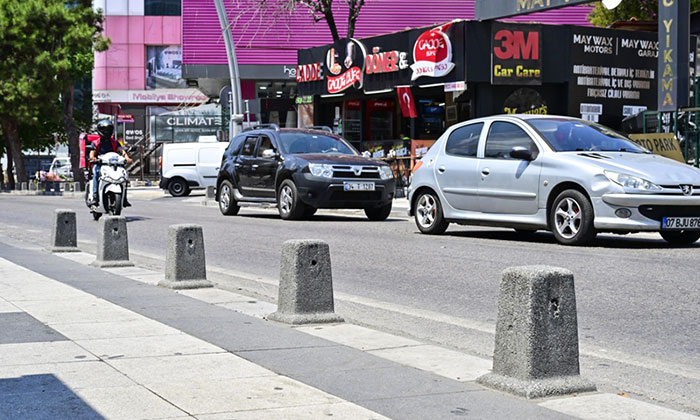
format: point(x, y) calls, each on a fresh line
point(519, 152)
point(269, 153)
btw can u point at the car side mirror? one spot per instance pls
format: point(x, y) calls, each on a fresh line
point(519, 152)
point(269, 153)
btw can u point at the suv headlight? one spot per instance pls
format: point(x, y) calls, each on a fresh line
point(318, 169)
point(385, 172)
point(632, 182)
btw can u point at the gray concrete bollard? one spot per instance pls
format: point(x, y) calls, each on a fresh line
point(536, 352)
point(23, 186)
point(112, 243)
point(64, 233)
point(211, 192)
point(185, 265)
point(306, 284)
point(76, 187)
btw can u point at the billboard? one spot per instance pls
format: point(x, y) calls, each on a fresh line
point(164, 67)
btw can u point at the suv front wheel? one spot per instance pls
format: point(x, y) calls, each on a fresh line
point(378, 213)
point(288, 202)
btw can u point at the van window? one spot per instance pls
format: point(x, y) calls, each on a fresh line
point(249, 146)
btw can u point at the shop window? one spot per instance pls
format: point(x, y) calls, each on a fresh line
point(380, 115)
point(464, 141)
point(503, 137)
point(161, 8)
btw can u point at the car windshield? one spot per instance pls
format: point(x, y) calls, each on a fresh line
point(299, 142)
point(566, 135)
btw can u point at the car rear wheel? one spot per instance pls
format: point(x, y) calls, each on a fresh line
point(227, 204)
point(378, 214)
point(288, 202)
point(309, 211)
point(177, 187)
point(681, 238)
point(428, 214)
point(571, 218)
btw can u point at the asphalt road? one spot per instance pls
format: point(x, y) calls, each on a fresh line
point(638, 299)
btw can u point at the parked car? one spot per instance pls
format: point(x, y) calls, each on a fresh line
point(187, 166)
point(572, 177)
point(61, 167)
point(300, 171)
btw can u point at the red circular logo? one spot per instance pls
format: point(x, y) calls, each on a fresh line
point(431, 46)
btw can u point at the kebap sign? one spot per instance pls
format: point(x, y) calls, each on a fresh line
point(409, 58)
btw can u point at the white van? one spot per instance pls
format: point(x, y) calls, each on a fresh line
point(191, 165)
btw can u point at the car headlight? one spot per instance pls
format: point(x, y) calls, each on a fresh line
point(632, 182)
point(318, 169)
point(385, 172)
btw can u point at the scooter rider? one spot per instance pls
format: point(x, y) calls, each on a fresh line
point(105, 144)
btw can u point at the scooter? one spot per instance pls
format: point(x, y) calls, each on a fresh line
point(111, 187)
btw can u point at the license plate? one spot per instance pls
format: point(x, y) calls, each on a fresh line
point(681, 223)
point(358, 186)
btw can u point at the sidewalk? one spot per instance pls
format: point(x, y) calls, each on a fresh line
point(79, 342)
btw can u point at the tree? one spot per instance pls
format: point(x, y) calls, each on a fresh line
point(321, 10)
point(627, 10)
point(45, 43)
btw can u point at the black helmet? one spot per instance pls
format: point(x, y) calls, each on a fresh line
point(105, 128)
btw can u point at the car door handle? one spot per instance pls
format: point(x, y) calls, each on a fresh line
point(237, 165)
point(441, 169)
point(255, 166)
point(485, 171)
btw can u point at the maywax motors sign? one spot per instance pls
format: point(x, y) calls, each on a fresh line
point(611, 71)
point(495, 9)
point(516, 54)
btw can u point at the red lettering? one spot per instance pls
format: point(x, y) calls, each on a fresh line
point(514, 45)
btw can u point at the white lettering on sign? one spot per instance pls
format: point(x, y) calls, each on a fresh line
point(309, 72)
point(345, 80)
point(184, 121)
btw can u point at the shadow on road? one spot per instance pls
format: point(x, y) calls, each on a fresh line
point(320, 218)
point(544, 237)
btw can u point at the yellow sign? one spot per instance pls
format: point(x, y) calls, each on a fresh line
point(664, 144)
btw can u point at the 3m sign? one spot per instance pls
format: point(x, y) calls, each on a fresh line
point(516, 54)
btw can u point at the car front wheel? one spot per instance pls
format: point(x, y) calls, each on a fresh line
point(681, 238)
point(227, 204)
point(178, 187)
point(288, 202)
point(571, 218)
point(428, 214)
point(378, 214)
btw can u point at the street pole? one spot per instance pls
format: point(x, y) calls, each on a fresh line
point(236, 103)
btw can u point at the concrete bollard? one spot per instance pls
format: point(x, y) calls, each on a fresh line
point(536, 352)
point(33, 186)
point(76, 187)
point(211, 192)
point(185, 266)
point(306, 284)
point(112, 243)
point(64, 233)
point(23, 186)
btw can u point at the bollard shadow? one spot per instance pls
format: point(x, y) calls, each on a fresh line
point(136, 218)
point(603, 240)
point(40, 397)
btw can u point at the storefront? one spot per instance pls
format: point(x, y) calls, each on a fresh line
point(399, 92)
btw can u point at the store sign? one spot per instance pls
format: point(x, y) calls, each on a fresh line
point(612, 71)
point(432, 53)
point(516, 54)
point(385, 62)
point(125, 118)
point(664, 144)
point(496, 9)
point(170, 96)
point(673, 60)
point(309, 72)
point(455, 86)
point(345, 65)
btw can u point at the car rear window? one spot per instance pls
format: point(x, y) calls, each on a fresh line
point(464, 141)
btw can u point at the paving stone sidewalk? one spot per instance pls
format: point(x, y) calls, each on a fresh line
point(81, 343)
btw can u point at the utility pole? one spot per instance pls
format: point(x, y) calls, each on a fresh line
point(235, 117)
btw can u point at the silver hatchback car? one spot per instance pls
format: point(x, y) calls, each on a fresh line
point(572, 177)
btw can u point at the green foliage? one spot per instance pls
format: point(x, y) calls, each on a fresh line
point(44, 44)
point(627, 10)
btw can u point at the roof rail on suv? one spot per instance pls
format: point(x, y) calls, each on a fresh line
point(259, 126)
point(319, 127)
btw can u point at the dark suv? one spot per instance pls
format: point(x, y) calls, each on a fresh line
point(299, 171)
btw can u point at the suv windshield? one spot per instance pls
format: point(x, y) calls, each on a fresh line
point(578, 136)
point(300, 142)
